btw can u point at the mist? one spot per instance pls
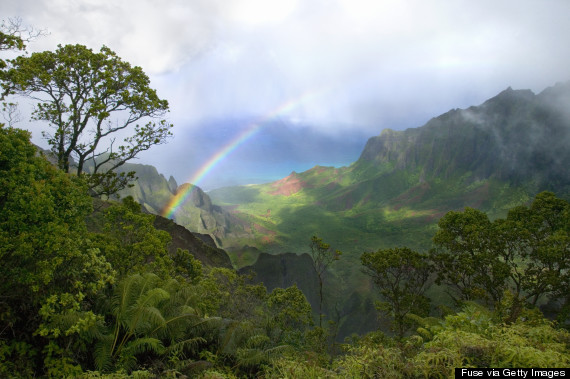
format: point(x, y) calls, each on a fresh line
point(370, 65)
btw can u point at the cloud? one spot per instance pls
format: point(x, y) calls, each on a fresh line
point(372, 64)
point(158, 36)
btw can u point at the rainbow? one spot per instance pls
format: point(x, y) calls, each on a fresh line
point(179, 198)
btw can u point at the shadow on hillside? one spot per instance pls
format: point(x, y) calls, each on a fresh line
point(235, 195)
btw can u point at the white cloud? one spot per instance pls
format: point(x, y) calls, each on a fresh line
point(253, 13)
point(374, 64)
point(159, 36)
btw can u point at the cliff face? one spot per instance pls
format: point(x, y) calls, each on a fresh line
point(196, 214)
point(284, 270)
point(354, 314)
point(201, 246)
point(151, 189)
point(515, 136)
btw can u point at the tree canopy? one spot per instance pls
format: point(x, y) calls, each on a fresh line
point(526, 254)
point(95, 105)
point(401, 276)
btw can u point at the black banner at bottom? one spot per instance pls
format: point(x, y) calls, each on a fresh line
point(512, 373)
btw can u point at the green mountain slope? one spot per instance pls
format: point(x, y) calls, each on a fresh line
point(491, 157)
point(197, 214)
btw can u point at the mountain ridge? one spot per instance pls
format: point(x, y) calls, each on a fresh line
point(478, 131)
point(403, 180)
point(393, 195)
point(481, 157)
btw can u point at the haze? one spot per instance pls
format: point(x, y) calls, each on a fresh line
point(368, 65)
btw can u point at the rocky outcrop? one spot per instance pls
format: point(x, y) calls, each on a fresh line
point(202, 247)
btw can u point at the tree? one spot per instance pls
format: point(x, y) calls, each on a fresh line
point(290, 313)
point(48, 265)
point(131, 243)
point(89, 100)
point(535, 243)
point(466, 257)
point(526, 254)
point(323, 256)
point(401, 276)
point(14, 36)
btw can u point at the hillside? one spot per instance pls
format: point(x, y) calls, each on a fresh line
point(201, 246)
point(490, 157)
point(198, 214)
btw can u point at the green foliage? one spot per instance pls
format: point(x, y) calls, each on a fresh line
point(401, 276)
point(245, 346)
point(76, 90)
point(17, 359)
point(291, 314)
point(14, 36)
point(466, 260)
point(154, 321)
point(472, 339)
point(297, 368)
point(526, 254)
point(234, 298)
point(120, 374)
point(48, 266)
point(323, 256)
point(371, 362)
point(131, 242)
point(317, 342)
point(535, 241)
point(186, 266)
point(10, 38)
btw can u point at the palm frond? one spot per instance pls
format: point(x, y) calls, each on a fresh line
point(190, 343)
point(102, 355)
point(143, 345)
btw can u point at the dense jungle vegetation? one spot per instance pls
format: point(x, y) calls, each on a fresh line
point(114, 303)
point(97, 294)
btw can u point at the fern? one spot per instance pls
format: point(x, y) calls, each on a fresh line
point(143, 345)
point(103, 361)
point(251, 357)
point(153, 320)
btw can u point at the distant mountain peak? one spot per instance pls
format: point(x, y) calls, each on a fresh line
point(516, 136)
point(172, 184)
point(511, 94)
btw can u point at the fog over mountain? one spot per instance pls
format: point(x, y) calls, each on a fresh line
point(343, 69)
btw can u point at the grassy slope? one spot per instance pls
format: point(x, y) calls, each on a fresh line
point(386, 210)
point(491, 157)
point(389, 209)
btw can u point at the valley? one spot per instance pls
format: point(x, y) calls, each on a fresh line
point(393, 195)
point(253, 189)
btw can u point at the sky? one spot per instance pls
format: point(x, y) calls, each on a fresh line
point(260, 88)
